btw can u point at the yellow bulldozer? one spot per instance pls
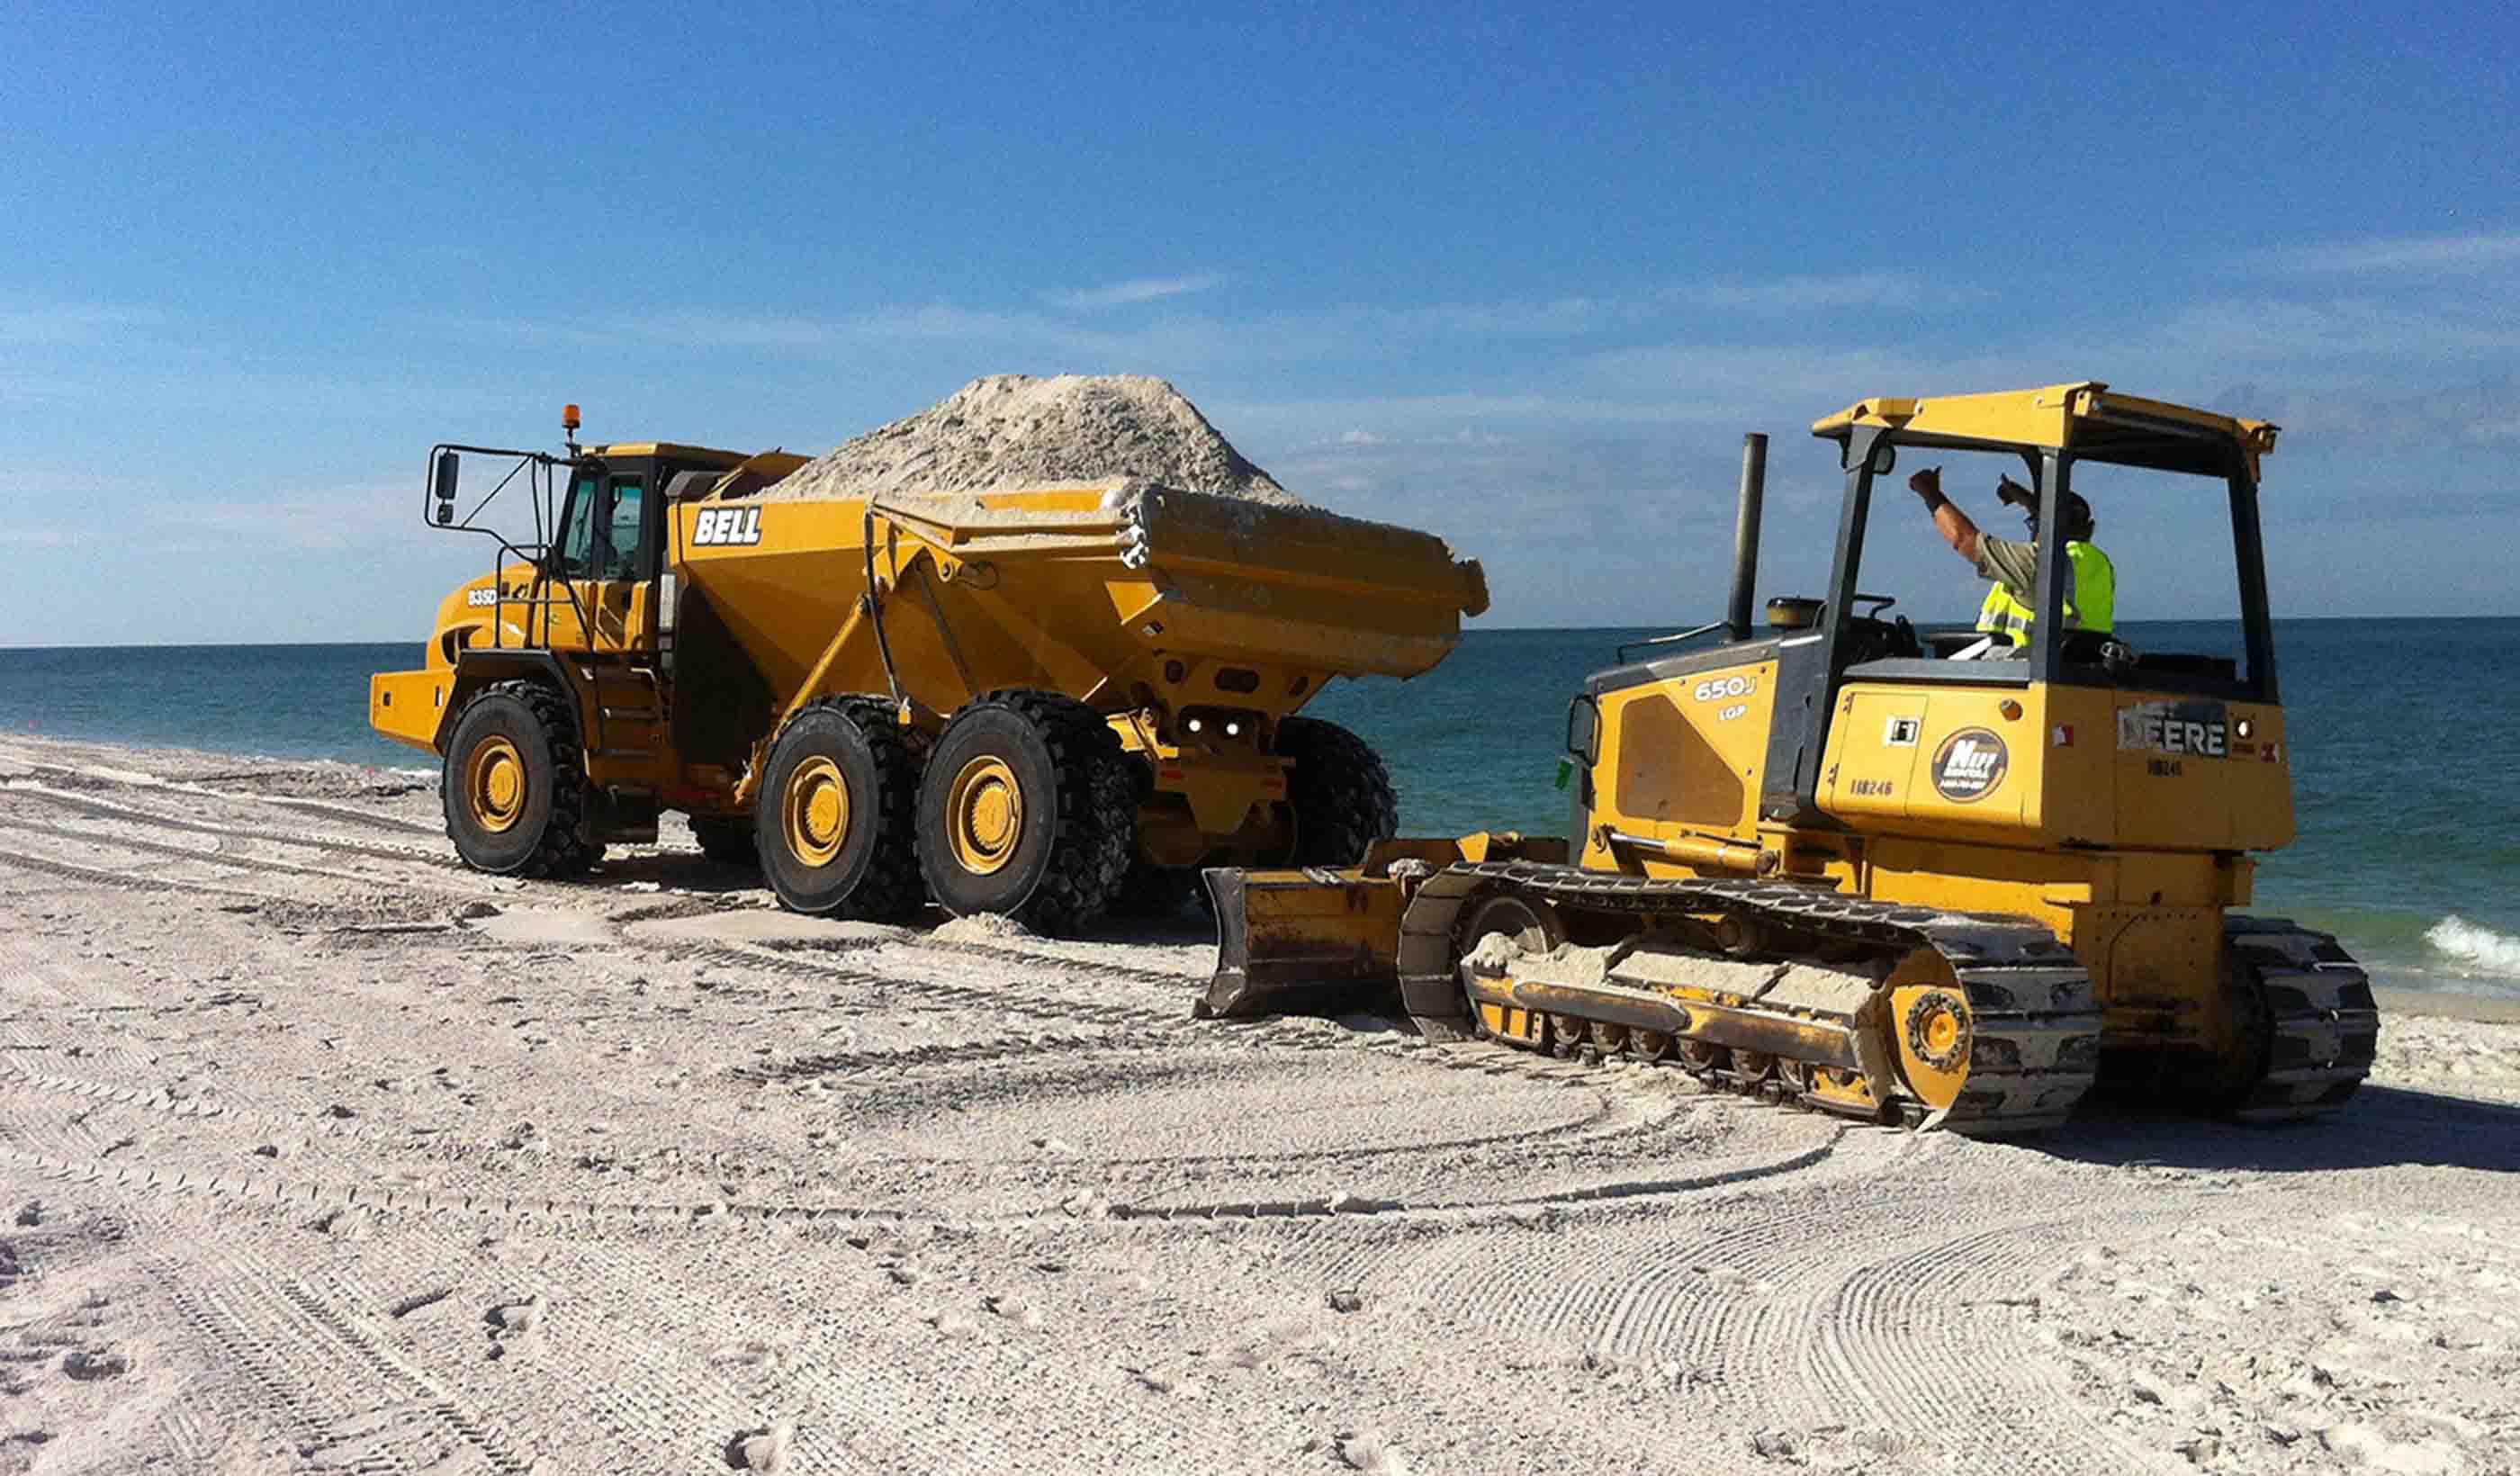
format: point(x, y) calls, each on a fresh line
point(1930, 877)
point(1044, 703)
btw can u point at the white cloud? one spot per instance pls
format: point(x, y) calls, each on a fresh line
point(334, 517)
point(1181, 342)
point(1808, 294)
point(2408, 256)
point(1581, 313)
point(1133, 292)
point(983, 337)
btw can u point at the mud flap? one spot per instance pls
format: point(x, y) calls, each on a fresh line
point(1311, 941)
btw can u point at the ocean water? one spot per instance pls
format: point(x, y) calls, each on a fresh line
point(2405, 734)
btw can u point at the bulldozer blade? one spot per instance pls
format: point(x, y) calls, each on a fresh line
point(1311, 941)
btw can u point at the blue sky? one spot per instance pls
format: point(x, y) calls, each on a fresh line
point(1516, 275)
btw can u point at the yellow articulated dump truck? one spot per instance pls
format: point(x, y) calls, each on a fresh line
point(1044, 703)
point(1944, 877)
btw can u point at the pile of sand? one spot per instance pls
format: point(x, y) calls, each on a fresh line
point(1006, 431)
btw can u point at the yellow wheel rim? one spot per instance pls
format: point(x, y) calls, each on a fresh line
point(814, 813)
point(494, 783)
point(984, 815)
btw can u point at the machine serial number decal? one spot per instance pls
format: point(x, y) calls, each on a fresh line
point(720, 527)
point(1875, 788)
point(2193, 728)
point(1720, 688)
point(1970, 765)
point(480, 598)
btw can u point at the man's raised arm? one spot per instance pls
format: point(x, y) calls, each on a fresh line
point(1953, 524)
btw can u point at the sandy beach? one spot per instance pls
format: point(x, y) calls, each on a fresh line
point(320, 1152)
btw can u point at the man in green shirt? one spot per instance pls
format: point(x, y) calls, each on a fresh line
point(2091, 579)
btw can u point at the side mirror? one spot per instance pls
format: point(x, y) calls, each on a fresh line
point(448, 465)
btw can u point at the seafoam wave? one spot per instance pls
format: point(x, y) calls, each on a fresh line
point(2479, 948)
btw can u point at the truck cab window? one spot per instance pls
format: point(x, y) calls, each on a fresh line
point(621, 534)
point(600, 534)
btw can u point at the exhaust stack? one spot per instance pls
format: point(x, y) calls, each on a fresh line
point(1745, 534)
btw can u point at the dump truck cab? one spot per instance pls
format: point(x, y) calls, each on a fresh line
point(593, 580)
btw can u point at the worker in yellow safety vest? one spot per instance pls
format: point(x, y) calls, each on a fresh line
point(2091, 579)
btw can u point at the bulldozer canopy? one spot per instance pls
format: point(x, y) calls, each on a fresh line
point(2083, 420)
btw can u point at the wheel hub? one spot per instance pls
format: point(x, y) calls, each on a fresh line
point(984, 815)
point(494, 782)
point(815, 810)
point(1938, 1031)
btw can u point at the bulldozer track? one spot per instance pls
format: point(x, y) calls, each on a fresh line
point(289, 801)
point(1871, 1319)
point(322, 1372)
point(1040, 1003)
point(182, 853)
point(126, 879)
point(344, 812)
point(1149, 1024)
point(201, 1178)
point(581, 1214)
point(1073, 968)
point(1715, 1175)
point(1878, 1326)
point(2324, 1027)
point(85, 804)
point(1036, 1002)
point(1716, 1303)
point(2033, 1014)
point(914, 1058)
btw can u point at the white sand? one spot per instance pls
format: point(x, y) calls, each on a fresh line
point(319, 1152)
point(1016, 430)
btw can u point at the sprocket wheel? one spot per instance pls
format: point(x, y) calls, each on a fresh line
point(1938, 1030)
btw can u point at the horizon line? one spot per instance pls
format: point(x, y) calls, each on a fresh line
point(1467, 631)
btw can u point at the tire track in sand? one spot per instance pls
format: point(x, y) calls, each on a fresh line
point(127, 880)
point(1894, 1337)
point(191, 788)
point(259, 864)
point(108, 809)
point(343, 1396)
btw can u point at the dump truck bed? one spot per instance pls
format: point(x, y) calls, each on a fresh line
point(1095, 590)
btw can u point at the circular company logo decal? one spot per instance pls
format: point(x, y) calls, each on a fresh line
point(1970, 765)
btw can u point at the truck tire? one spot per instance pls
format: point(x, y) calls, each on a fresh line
point(831, 825)
point(1339, 790)
point(1028, 810)
point(726, 838)
point(1155, 892)
point(515, 784)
